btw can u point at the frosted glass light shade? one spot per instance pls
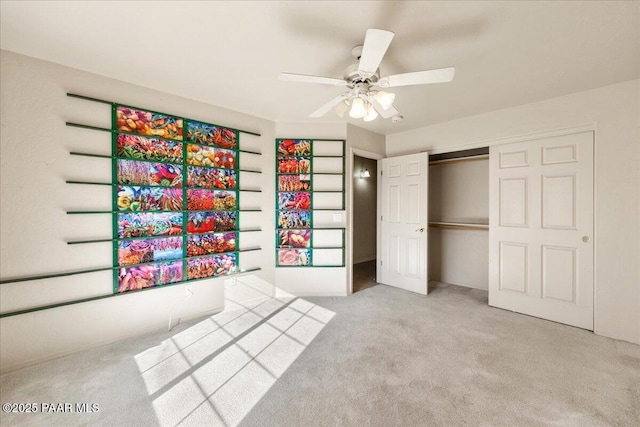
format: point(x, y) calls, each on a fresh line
point(358, 110)
point(365, 173)
point(385, 99)
point(372, 114)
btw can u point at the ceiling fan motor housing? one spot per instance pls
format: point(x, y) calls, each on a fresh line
point(357, 52)
point(353, 76)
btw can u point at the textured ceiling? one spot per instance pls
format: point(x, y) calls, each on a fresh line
point(230, 53)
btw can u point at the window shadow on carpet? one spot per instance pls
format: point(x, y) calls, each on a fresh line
point(214, 372)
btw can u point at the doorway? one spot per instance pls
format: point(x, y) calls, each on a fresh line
point(365, 201)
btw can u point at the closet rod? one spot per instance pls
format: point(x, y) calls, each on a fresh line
point(460, 160)
point(458, 226)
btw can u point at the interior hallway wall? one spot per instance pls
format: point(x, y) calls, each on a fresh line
point(364, 210)
point(367, 143)
point(614, 112)
point(35, 162)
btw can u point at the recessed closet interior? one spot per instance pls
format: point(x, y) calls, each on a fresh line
point(459, 218)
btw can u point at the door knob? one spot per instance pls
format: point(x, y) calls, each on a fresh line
point(586, 239)
point(421, 229)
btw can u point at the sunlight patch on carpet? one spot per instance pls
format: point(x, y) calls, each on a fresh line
point(216, 371)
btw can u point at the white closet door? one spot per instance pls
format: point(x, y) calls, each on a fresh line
point(403, 223)
point(541, 228)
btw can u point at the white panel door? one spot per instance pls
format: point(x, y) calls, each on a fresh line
point(541, 228)
point(403, 221)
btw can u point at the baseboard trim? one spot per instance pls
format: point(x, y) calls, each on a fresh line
point(464, 285)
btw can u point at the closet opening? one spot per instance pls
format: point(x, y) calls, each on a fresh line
point(365, 200)
point(459, 219)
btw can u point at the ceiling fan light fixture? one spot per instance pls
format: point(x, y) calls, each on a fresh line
point(371, 115)
point(360, 100)
point(358, 109)
point(341, 108)
point(385, 99)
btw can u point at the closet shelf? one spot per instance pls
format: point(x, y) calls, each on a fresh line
point(459, 226)
point(459, 160)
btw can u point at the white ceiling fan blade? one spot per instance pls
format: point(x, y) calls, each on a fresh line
point(389, 112)
point(328, 106)
point(302, 78)
point(439, 75)
point(376, 43)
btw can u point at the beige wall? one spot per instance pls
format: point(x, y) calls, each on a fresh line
point(460, 257)
point(313, 280)
point(35, 162)
point(34, 228)
point(318, 280)
point(614, 112)
point(459, 192)
point(362, 139)
point(364, 210)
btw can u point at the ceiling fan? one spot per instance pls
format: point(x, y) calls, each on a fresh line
point(362, 99)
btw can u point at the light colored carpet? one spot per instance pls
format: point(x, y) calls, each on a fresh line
point(381, 357)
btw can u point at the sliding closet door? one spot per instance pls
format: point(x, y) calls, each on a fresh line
point(403, 221)
point(541, 228)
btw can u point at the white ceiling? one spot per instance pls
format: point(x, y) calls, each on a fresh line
point(230, 53)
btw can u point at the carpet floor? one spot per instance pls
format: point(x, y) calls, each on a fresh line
point(381, 357)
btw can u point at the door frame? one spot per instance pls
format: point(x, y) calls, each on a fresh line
point(352, 174)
